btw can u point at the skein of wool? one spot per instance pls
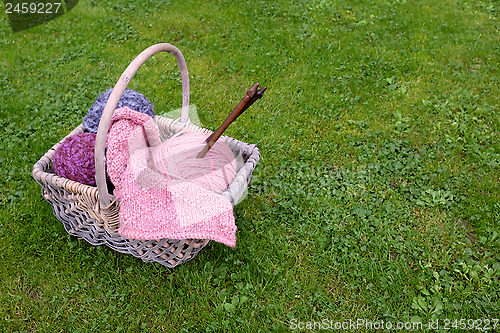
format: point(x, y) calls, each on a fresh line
point(74, 158)
point(176, 158)
point(131, 98)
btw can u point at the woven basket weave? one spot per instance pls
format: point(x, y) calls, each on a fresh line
point(91, 213)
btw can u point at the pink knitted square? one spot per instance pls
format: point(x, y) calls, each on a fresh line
point(146, 205)
point(151, 207)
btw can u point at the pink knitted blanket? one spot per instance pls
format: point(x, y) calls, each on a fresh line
point(150, 206)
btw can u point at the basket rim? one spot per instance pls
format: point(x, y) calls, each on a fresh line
point(40, 168)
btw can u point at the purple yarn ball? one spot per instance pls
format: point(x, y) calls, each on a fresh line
point(74, 158)
point(131, 98)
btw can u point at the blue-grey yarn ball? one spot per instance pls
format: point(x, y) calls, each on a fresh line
point(131, 98)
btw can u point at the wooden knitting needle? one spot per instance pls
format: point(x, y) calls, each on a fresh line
point(235, 114)
point(255, 97)
point(232, 117)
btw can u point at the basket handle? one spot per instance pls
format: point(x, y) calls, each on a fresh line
point(114, 98)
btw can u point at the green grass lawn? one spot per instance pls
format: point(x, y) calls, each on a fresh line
point(377, 196)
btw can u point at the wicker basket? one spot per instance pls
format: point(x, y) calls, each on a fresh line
point(91, 213)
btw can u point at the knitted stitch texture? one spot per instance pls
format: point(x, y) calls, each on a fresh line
point(202, 215)
point(148, 210)
point(146, 205)
point(130, 98)
point(150, 207)
point(129, 131)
